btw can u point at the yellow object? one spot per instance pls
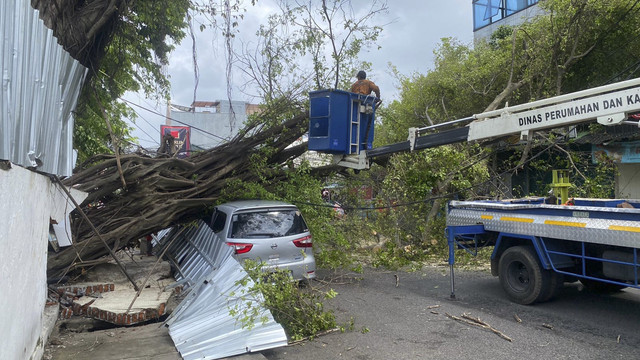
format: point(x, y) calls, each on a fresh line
point(560, 185)
point(516, 219)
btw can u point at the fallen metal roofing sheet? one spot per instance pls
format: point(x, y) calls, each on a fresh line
point(202, 326)
point(40, 87)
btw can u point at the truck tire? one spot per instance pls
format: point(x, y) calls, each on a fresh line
point(555, 283)
point(522, 277)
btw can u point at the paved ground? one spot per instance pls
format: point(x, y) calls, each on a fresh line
point(148, 342)
point(409, 321)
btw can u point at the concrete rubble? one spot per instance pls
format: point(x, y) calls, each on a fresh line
point(113, 300)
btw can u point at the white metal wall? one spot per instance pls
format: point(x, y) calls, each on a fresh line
point(202, 326)
point(40, 87)
point(28, 201)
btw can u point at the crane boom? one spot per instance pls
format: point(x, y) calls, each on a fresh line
point(609, 104)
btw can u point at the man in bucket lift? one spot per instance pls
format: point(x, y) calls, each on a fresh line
point(364, 86)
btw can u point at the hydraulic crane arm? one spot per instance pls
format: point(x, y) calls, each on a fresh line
point(609, 105)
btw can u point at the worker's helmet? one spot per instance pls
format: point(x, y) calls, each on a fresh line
point(361, 75)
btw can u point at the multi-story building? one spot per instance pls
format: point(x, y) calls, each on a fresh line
point(489, 15)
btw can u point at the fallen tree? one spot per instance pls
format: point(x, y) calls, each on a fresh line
point(163, 192)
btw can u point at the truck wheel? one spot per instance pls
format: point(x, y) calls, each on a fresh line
point(601, 287)
point(521, 275)
point(555, 283)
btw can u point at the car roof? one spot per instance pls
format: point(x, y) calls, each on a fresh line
point(240, 205)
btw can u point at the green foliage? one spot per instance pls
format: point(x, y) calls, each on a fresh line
point(406, 219)
point(601, 180)
point(300, 311)
point(576, 45)
point(423, 180)
point(390, 256)
point(463, 82)
point(589, 43)
point(132, 61)
point(91, 135)
point(564, 50)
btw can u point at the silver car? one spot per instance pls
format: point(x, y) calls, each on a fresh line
point(272, 232)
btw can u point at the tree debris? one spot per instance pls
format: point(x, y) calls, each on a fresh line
point(468, 319)
point(164, 192)
point(517, 318)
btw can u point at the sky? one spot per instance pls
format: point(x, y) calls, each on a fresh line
point(412, 32)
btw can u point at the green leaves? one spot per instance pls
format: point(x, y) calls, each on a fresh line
point(300, 311)
point(139, 45)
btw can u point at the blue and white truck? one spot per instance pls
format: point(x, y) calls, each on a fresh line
point(539, 246)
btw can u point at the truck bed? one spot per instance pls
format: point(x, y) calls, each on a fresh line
point(598, 221)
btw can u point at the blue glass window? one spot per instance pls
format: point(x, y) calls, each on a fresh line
point(486, 12)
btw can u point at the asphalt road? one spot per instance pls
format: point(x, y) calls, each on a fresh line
point(409, 321)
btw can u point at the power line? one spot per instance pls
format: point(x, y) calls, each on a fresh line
point(148, 123)
point(163, 115)
point(172, 119)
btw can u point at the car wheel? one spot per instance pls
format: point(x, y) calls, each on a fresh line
point(521, 275)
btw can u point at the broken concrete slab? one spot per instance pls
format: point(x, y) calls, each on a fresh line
point(105, 293)
point(113, 306)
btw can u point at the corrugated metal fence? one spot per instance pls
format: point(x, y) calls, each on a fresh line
point(202, 326)
point(40, 87)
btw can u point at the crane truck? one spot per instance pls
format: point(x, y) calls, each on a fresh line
point(537, 246)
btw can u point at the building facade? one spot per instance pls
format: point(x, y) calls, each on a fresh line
point(212, 123)
point(489, 15)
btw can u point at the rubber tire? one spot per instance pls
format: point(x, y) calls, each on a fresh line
point(601, 287)
point(556, 282)
point(521, 276)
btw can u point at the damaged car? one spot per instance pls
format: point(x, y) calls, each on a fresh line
point(271, 232)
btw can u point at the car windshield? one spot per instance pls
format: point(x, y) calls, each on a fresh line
point(267, 224)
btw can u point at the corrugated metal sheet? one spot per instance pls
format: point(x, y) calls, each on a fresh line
point(201, 326)
point(195, 253)
point(40, 87)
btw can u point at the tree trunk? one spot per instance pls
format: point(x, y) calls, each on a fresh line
point(163, 192)
point(82, 27)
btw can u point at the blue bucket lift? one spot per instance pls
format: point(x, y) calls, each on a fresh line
point(342, 123)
